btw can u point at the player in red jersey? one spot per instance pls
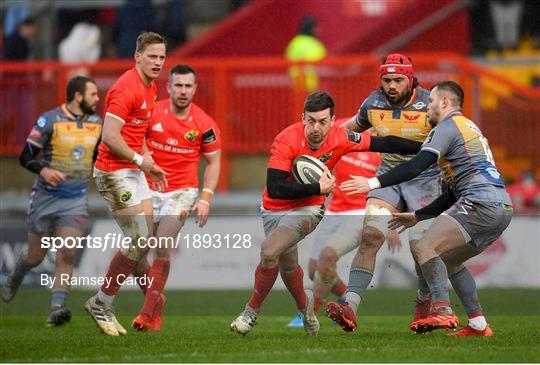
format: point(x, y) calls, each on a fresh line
point(290, 210)
point(120, 168)
point(179, 133)
point(339, 231)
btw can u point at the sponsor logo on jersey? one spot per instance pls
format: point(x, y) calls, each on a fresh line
point(191, 135)
point(327, 156)
point(125, 196)
point(172, 141)
point(209, 136)
point(419, 105)
point(41, 122)
point(157, 127)
point(474, 128)
point(90, 128)
point(354, 136)
point(34, 133)
point(137, 121)
point(78, 153)
point(429, 137)
point(410, 118)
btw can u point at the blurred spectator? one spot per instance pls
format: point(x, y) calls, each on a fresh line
point(83, 44)
point(14, 16)
point(305, 46)
point(17, 45)
point(134, 17)
point(525, 194)
point(507, 17)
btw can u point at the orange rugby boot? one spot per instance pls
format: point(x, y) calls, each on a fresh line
point(469, 331)
point(343, 315)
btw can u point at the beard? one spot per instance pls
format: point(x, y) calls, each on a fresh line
point(397, 100)
point(432, 120)
point(87, 108)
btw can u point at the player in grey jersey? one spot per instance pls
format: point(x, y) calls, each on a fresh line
point(66, 139)
point(474, 211)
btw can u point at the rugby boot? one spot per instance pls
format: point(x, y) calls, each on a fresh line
point(421, 311)
point(311, 323)
point(343, 315)
point(469, 331)
point(103, 315)
point(244, 322)
point(58, 316)
point(440, 316)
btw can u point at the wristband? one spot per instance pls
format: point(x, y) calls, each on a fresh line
point(373, 183)
point(204, 202)
point(207, 195)
point(137, 159)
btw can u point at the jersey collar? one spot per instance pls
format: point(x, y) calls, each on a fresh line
point(69, 114)
point(411, 99)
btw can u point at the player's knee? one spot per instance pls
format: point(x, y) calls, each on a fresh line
point(269, 254)
point(65, 256)
point(372, 239)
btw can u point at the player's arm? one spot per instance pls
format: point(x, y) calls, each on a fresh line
point(360, 122)
point(409, 219)
point(28, 160)
point(210, 181)
point(401, 173)
point(112, 137)
point(39, 136)
point(352, 125)
point(394, 144)
point(279, 186)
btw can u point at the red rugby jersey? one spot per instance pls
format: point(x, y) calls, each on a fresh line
point(131, 101)
point(177, 144)
point(358, 164)
point(291, 142)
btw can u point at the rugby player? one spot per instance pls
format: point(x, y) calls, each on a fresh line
point(178, 134)
point(290, 210)
point(120, 168)
point(397, 108)
point(339, 231)
point(472, 213)
point(67, 138)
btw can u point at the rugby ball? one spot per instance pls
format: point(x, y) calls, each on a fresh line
point(307, 169)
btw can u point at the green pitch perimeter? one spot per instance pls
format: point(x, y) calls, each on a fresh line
point(196, 329)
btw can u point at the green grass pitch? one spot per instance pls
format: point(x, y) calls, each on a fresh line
point(196, 329)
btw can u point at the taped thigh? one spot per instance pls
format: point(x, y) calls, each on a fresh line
point(377, 217)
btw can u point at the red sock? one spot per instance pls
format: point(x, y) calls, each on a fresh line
point(119, 268)
point(158, 273)
point(139, 275)
point(339, 288)
point(264, 281)
point(294, 281)
point(318, 304)
point(474, 315)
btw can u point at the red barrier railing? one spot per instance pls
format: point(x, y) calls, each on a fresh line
point(253, 99)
